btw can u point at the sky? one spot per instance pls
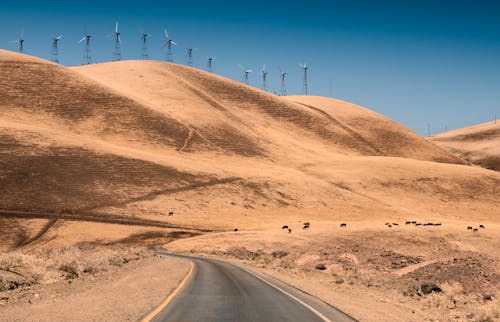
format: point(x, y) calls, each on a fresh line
point(417, 62)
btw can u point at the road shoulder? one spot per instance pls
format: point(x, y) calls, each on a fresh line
point(125, 295)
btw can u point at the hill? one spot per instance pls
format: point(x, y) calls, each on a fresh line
point(478, 144)
point(132, 141)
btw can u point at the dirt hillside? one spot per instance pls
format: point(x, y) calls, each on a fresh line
point(478, 144)
point(140, 139)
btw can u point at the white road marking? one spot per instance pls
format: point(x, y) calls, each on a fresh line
point(321, 316)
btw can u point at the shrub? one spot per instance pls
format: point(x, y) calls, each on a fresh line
point(4, 284)
point(72, 268)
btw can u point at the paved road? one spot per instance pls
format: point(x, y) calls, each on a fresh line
point(220, 291)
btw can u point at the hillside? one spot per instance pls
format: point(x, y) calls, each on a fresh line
point(478, 144)
point(138, 139)
point(206, 102)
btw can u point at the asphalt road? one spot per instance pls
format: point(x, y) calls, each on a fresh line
point(220, 291)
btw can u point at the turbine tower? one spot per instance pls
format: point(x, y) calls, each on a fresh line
point(246, 73)
point(264, 78)
point(210, 61)
point(170, 43)
point(117, 54)
point(144, 38)
point(283, 82)
point(305, 85)
point(55, 48)
point(87, 59)
point(189, 53)
point(20, 41)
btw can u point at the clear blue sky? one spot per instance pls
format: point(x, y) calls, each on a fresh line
point(414, 61)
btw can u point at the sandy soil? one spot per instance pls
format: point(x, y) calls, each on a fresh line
point(125, 293)
point(372, 271)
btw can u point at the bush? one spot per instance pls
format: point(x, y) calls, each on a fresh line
point(72, 268)
point(4, 284)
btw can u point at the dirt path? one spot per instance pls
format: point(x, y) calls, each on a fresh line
point(95, 217)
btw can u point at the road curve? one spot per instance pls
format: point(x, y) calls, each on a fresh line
point(220, 291)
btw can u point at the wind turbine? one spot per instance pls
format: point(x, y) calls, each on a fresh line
point(210, 61)
point(283, 82)
point(264, 78)
point(170, 43)
point(246, 73)
point(305, 68)
point(55, 48)
point(144, 39)
point(117, 54)
point(20, 41)
point(87, 59)
point(189, 53)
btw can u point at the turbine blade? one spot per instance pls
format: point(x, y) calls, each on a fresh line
point(166, 34)
point(82, 39)
point(242, 68)
point(116, 27)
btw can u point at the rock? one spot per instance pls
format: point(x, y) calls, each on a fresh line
point(279, 254)
point(36, 295)
point(339, 280)
point(428, 288)
point(487, 297)
point(320, 267)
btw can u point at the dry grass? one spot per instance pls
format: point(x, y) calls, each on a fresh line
point(19, 270)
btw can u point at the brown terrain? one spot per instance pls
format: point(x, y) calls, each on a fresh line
point(478, 144)
point(100, 155)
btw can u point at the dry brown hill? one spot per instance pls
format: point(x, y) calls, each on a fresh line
point(211, 104)
point(138, 139)
point(478, 144)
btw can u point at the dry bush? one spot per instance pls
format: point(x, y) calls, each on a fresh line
point(13, 260)
point(4, 284)
point(25, 268)
point(47, 266)
point(452, 288)
point(73, 269)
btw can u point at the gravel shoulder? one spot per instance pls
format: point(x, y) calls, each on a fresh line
point(125, 293)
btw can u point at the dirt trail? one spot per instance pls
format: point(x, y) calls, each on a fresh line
point(97, 217)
